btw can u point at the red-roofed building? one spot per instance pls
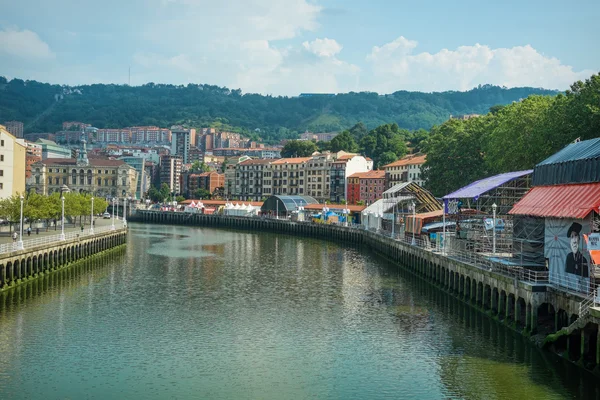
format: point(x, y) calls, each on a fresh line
point(367, 187)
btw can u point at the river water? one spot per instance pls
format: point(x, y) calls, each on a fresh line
point(197, 313)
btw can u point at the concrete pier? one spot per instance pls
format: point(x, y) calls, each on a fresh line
point(21, 266)
point(532, 308)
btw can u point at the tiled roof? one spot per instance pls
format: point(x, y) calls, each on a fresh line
point(94, 162)
point(377, 174)
point(256, 161)
point(297, 160)
point(408, 160)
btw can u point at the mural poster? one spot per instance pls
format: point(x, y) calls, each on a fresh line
point(568, 258)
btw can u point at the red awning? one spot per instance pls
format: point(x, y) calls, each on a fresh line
point(559, 201)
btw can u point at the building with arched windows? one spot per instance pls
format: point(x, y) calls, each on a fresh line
point(101, 177)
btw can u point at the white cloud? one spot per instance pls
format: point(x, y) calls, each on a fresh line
point(323, 47)
point(395, 66)
point(23, 43)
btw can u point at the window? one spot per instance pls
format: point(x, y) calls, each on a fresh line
point(2, 157)
point(2, 143)
point(1, 172)
point(64, 179)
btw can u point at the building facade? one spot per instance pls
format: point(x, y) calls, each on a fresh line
point(251, 175)
point(407, 169)
point(232, 187)
point(170, 172)
point(15, 128)
point(100, 177)
point(288, 176)
point(345, 166)
point(367, 187)
point(12, 164)
point(181, 141)
point(51, 150)
point(318, 175)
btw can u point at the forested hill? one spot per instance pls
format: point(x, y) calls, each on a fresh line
point(43, 107)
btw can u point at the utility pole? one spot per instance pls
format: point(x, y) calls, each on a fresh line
point(129, 80)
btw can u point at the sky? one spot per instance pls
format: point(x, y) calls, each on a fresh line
point(287, 47)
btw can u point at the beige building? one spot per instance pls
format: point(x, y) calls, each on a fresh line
point(232, 182)
point(317, 176)
point(288, 176)
point(406, 169)
point(101, 177)
point(12, 164)
point(252, 175)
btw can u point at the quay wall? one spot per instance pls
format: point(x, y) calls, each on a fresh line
point(21, 266)
point(535, 309)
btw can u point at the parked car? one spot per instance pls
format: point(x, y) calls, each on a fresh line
point(106, 215)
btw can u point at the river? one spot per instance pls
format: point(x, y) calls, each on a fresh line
point(193, 313)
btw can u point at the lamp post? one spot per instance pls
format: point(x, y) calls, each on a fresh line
point(393, 219)
point(20, 242)
point(494, 206)
point(124, 211)
point(62, 223)
point(443, 240)
point(414, 210)
point(92, 218)
point(112, 227)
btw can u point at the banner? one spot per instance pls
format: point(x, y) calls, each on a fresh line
point(568, 257)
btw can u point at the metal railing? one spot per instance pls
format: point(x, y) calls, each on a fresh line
point(50, 239)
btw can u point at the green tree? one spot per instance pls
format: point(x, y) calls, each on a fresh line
point(198, 166)
point(344, 141)
point(298, 148)
point(358, 131)
point(386, 139)
point(165, 191)
point(202, 194)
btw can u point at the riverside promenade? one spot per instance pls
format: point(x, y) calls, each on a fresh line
point(48, 251)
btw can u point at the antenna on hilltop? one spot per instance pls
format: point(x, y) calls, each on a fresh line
point(129, 81)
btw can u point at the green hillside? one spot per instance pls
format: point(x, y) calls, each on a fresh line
point(43, 107)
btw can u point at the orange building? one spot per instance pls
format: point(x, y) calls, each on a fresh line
point(367, 187)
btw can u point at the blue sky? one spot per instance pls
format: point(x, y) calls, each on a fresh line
point(292, 46)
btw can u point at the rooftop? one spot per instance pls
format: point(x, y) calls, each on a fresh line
point(94, 162)
point(297, 160)
point(408, 160)
point(256, 161)
point(375, 174)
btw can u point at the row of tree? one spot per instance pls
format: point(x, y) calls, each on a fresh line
point(37, 207)
point(510, 138)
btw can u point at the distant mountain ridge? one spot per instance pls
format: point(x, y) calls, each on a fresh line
point(43, 107)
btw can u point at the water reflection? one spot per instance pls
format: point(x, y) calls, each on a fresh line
point(202, 313)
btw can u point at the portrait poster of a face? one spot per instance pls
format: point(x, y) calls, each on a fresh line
point(567, 255)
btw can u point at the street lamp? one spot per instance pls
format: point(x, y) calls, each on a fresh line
point(20, 242)
point(92, 218)
point(62, 223)
point(124, 211)
point(112, 227)
point(494, 206)
point(414, 210)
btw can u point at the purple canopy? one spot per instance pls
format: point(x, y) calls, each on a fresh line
point(477, 188)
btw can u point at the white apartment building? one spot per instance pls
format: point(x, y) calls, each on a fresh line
point(232, 184)
point(12, 165)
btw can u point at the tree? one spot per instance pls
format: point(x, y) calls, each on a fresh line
point(198, 166)
point(298, 148)
point(202, 194)
point(344, 141)
point(386, 139)
point(359, 131)
point(165, 191)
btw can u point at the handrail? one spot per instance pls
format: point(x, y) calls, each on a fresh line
point(44, 240)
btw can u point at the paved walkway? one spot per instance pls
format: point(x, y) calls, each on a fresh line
point(5, 237)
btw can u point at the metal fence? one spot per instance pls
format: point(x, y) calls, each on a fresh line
point(51, 239)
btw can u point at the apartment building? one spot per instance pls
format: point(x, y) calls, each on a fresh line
point(343, 167)
point(12, 164)
point(181, 141)
point(209, 181)
point(232, 187)
point(367, 187)
point(170, 172)
point(15, 128)
point(251, 175)
point(289, 176)
point(318, 175)
point(407, 169)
